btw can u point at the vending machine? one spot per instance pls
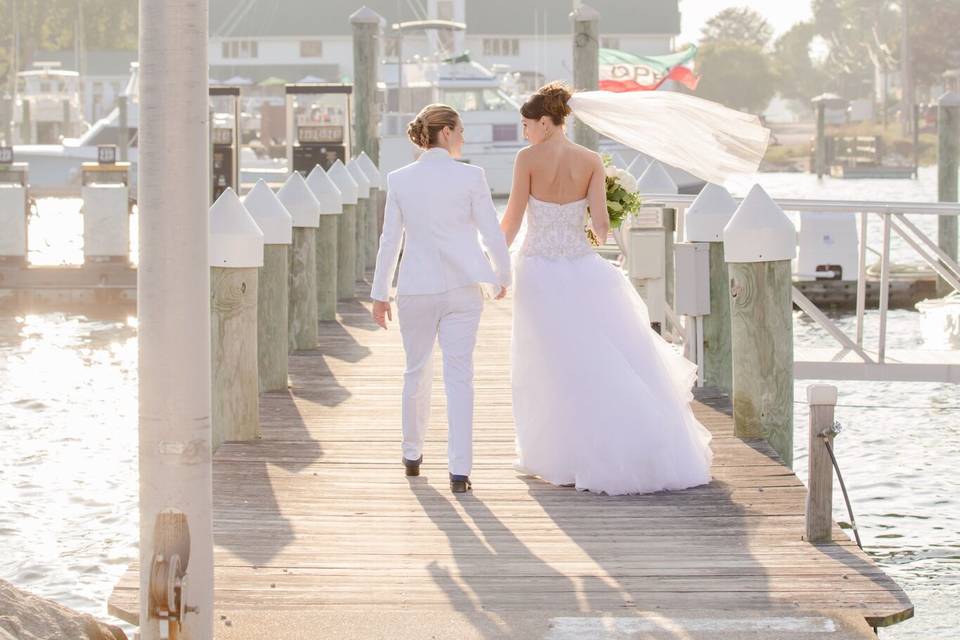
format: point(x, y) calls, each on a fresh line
point(318, 125)
point(225, 139)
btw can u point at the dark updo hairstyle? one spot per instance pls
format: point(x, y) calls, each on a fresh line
point(426, 127)
point(549, 100)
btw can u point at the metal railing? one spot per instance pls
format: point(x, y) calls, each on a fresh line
point(893, 216)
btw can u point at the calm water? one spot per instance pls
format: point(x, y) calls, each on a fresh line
point(68, 467)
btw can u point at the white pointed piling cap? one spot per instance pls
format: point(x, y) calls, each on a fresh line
point(376, 178)
point(235, 239)
point(363, 182)
point(365, 15)
point(327, 193)
point(341, 177)
point(300, 201)
point(949, 99)
point(656, 180)
point(638, 166)
point(268, 212)
point(759, 231)
point(709, 214)
point(584, 13)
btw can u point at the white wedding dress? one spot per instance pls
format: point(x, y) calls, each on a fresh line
point(600, 400)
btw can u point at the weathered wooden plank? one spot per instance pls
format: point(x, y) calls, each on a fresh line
point(318, 515)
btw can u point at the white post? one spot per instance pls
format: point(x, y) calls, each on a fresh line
point(173, 297)
point(273, 289)
point(331, 208)
point(236, 253)
point(759, 243)
point(305, 210)
point(364, 211)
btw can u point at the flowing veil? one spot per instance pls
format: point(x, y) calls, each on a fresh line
point(709, 140)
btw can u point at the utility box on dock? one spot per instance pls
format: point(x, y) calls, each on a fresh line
point(318, 125)
point(692, 290)
point(645, 262)
point(106, 209)
point(14, 209)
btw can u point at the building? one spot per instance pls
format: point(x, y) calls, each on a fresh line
point(256, 40)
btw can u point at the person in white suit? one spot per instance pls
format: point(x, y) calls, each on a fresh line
point(439, 209)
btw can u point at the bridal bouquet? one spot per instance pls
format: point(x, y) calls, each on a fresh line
point(622, 196)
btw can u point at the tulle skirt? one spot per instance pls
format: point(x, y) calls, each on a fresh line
point(600, 400)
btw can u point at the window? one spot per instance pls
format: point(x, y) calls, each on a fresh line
point(239, 49)
point(610, 43)
point(501, 47)
point(504, 133)
point(311, 49)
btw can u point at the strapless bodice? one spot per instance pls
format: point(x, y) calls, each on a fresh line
point(556, 230)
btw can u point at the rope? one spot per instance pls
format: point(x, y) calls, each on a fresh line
point(843, 487)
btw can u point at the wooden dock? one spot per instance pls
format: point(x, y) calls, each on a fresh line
point(319, 534)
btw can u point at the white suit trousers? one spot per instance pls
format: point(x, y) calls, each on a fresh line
point(453, 317)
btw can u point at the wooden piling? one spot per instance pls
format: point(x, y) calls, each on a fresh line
point(364, 210)
point(331, 209)
point(233, 354)
point(273, 307)
point(273, 299)
point(346, 232)
point(302, 279)
point(586, 65)
point(236, 255)
point(822, 399)
point(760, 242)
point(948, 166)
point(820, 159)
point(366, 34)
point(377, 200)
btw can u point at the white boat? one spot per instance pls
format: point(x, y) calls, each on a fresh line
point(47, 107)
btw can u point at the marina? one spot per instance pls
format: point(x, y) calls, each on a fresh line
point(203, 419)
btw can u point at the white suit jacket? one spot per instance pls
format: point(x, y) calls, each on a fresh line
point(439, 205)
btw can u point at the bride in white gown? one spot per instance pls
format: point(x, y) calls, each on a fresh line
point(600, 401)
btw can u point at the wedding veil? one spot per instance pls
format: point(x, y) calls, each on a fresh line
point(704, 138)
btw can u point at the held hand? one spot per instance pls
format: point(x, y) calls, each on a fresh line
point(502, 294)
point(382, 313)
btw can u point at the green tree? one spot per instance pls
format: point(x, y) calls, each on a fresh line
point(738, 24)
point(51, 25)
point(798, 77)
point(736, 74)
point(933, 38)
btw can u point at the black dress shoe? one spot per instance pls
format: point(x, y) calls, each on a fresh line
point(460, 484)
point(413, 466)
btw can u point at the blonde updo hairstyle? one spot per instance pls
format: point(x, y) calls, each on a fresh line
point(550, 100)
point(425, 129)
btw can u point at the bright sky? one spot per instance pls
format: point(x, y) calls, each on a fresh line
point(782, 14)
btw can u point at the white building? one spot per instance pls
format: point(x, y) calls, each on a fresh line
point(294, 39)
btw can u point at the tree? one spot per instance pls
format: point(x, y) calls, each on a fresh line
point(933, 38)
point(51, 25)
point(735, 74)
point(798, 77)
point(738, 24)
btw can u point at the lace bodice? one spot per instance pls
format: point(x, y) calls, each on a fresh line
point(556, 230)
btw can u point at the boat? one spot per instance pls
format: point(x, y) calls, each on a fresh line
point(47, 107)
point(490, 113)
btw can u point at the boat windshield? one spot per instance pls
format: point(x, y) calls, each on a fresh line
point(477, 100)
